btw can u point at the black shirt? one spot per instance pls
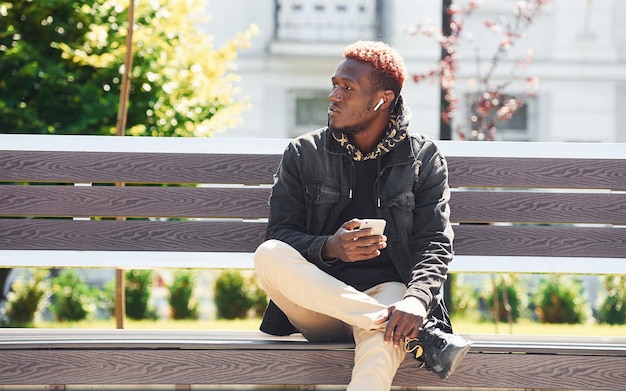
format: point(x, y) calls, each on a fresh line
point(365, 274)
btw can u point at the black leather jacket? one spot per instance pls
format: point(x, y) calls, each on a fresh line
point(313, 184)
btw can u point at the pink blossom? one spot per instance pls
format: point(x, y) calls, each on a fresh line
point(532, 82)
point(508, 109)
point(493, 26)
point(505, 44)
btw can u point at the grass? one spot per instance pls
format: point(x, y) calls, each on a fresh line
point(522, 327)
point(528, 327)
point(219, 324)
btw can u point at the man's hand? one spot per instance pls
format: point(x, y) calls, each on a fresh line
point(351, 244)
point(405, 319)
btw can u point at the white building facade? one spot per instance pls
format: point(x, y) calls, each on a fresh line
point(579, 57)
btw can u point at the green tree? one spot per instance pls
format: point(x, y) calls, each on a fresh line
point(561, 299)
point(62, 63)
point(72, 299)
point(613, 301)
point(138, 293)
point(181, 300)
point(231, 298)
point(237, 295)
point(27, 298)
point(506, 291)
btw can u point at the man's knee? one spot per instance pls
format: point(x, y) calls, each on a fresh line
point(265, 254)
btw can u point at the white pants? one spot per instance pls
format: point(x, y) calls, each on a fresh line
point(326, 309)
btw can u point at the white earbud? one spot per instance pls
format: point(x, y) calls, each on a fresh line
point(380, 102)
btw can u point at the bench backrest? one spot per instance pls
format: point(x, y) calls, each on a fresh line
point(517, 207)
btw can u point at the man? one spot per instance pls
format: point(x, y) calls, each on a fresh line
point(330, 280)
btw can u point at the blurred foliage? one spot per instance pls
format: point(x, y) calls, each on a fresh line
point(507, 289)
point(464, 300)
point(258, 297)
point(561, 299)
point(612, 308)
point(182, 303)
point(63, 61)
point(138, 292)
point(28, 297)
point(237, 296)
point(230, 296)
point(72, 299)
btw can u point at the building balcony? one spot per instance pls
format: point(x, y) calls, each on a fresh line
point(303, 24)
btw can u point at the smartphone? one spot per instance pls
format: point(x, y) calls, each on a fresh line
point(377, 225)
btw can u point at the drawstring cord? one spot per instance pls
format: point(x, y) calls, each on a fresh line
point(378, 178)
point(380, 174)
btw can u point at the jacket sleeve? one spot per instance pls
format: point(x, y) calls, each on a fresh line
point(432, 238)
point(289, 212)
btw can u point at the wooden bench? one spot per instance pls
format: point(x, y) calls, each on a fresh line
point(539, 208)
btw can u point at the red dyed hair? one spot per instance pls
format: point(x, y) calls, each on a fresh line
point(385, 60)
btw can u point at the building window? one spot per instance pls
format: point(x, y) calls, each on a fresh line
point(326, 21)
point(310, 111)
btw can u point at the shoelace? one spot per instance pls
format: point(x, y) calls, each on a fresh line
point(415, 350)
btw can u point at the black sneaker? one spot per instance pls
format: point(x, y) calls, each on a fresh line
point(438, 351)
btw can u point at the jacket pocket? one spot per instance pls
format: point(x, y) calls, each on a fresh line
point(321, 199)
point(401, 207)
point(322, 194)
point(403, 201)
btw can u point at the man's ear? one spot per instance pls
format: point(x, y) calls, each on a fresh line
point(389, 99)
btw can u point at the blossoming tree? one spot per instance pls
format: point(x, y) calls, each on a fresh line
point(489, 102)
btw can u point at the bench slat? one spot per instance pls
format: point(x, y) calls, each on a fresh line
point(133, 201)
point(252, 203)
point(526, 207)
point(135, 235)
point(167, 366)
point(33, 339)
point(111, 167)
point(555, 241)
point(226, 236)
point(131, 167)
point(537, 172)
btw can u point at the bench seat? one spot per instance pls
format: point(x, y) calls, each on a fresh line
point(184, 357)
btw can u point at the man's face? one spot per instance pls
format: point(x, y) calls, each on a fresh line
point(351, 97)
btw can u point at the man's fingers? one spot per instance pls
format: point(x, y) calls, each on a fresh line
point(356, 252)
point(388, 333)
point(400, 327)
point(398, 337)
point(413, 334)
point(364, 248)
point(390, 325)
